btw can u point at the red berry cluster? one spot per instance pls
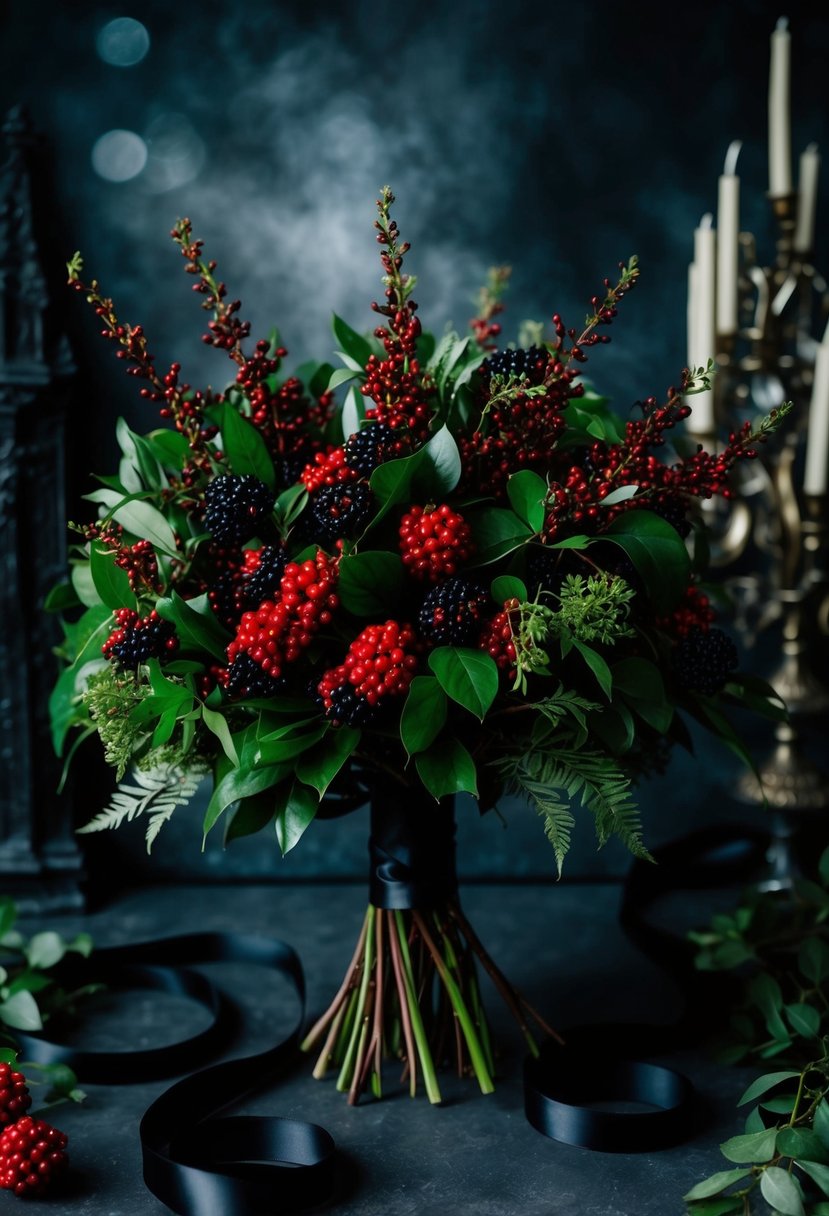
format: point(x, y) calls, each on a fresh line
point(693, 612)
point(395, 384)
point(15, 1098)
point(434, 542)
point(227, 332)
point(380, 663)
point(32, 1156)
point(327, 469)
point(517, 432)
point(496, 639)
point(278, 631)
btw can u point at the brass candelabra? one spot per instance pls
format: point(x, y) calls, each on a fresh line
point(770, 542)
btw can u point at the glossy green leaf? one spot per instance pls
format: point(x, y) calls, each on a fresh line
point(241, 783)
point(20, 1012)
point(294, 814)
point(496, 532)
point(111, 582)
point(468, 676)
point(597, 664)
point(813, 960)
point(83, 585)
point(353, 344)
point(527, 491)
point(61, 598)
point(217, 723)
point(196, 625)
point(803, 1144)
point(781, 1191)
point(319, 766)
point(763, 1084)
point(424, 714)
point(821, 1121)
point(445, 461)
point(244, 447)
point(45, 949)
point(250, 815)
point(804, 1019)
point(657, 551)
point(447, 768)
point(508, 587)
point(756, 1146)
point(640, 683)
point(370, 583)
point(715, 1184)
point(819, 1173)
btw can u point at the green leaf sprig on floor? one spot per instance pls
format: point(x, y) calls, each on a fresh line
point(777, 944)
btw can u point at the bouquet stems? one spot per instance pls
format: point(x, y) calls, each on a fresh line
point(411, 993)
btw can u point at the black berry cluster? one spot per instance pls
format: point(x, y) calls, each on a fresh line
point(342, 509)
point(235, 507)
point(530, 363)
point(453, 612)
point(704, 659)
point(136, 639)
point(373, 445)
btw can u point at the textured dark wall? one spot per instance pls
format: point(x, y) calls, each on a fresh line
point(556, 138)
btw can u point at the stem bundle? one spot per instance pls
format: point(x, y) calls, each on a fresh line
point(411, 992)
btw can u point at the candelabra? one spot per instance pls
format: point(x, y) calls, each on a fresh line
point(769, 542)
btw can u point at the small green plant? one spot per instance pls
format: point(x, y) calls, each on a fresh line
point(778, 942)
point(30, 995)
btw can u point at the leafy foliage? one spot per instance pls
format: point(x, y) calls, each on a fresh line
point(775, 943)
point(154, 794)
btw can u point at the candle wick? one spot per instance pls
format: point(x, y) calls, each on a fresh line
point(730, 167)
point(782, 23)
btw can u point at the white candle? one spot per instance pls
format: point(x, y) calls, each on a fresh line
point(728, 235)
point(703, 324)
point(817, 434)
point(804, 233)
point(691, 315)
point(780, 151)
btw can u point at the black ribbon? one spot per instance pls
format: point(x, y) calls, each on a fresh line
point(195, 1163)
point(565, 1086)
point(411, 849)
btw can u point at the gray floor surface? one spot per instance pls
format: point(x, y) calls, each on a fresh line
point(477, 1155)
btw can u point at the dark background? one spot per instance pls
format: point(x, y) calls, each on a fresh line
point(558, 139)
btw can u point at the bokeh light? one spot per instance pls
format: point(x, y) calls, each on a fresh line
point(119, 155)
point(123, 42)
point(176, 153)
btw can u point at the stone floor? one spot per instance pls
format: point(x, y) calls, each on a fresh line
point(560, 944)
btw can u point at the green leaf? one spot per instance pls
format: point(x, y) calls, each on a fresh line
point(716, 1183)
point(61, 598)
point(277, 751)
point(803, 1144)
point(294, 815)
point(217, 723)
point(496, 532)
point(468, 676)
point(171, 448)
point(424, 714)
point(508, 587)
point(392, 482)
point(763, 1084)
point(527, 492)
point(804, 1019)
point(111, 582)
point(8, 1055)
point(21, 1012)
point(8, 914)
point(754, 1122)
point(196, 624)
point(818, 1173)
point(823, 867)
point(821, 1121)
point(620, 494)
point(813, 960)
point(765, 992)
point(353, 344)
point(445, 461)
point(370, 583)
point(341, 375)
point(250, 815)
point(83, 586)
point(640, 683)
point(147, 523)
point(756, 1146)
point(319, 767)
point(140, 455)
point(657, 551)
point(597, 665)
point(241, 783)
point(781, 1191)
point(352, 413)
point(45, 949)
point(447, 768)
point(245, 448)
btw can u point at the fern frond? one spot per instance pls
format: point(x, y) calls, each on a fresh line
point(156, 792)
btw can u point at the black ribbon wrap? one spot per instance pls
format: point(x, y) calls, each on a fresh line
point(411, 848)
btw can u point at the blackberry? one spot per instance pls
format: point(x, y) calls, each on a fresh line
point(136, 639)
point(262, 582)
point(374, 445)
point(235, 507)
point(245, 678)
point(673, 511)
point(531, 363)
point(347, 707)
point(704, 659)
point(341, 510)
point(452, 612)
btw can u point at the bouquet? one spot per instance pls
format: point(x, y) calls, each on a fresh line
point(445, 566)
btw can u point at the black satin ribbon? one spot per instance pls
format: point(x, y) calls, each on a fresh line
point(195, 1163)
point(411, 849)
point(564, 1085)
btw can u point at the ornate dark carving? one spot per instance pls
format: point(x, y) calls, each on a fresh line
point(39, 859)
